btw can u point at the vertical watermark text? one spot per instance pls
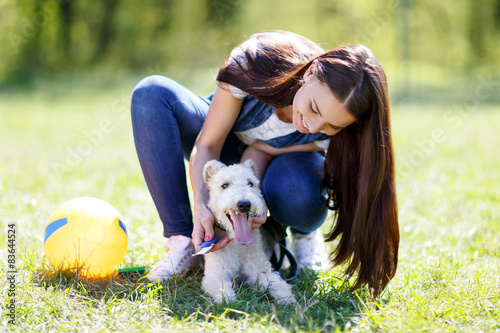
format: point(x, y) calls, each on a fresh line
point(10, 305)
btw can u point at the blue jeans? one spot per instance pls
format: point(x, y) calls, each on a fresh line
point(166, 119)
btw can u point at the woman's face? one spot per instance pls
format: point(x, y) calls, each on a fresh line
point(316, 109)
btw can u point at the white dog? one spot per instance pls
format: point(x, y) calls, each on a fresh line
point(234, 198)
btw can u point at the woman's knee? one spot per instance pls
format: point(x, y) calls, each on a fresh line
point(150, 86)
point(295, 192)
point(302, 208)
point(152, 94)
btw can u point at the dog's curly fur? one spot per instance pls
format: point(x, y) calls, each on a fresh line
point(234, 195)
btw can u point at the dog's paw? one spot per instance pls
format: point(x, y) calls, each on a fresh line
point(287, 301)
point(219, 299)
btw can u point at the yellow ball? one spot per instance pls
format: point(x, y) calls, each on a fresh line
point(86, 234)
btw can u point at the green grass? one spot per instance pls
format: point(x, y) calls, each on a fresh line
point(448, 278)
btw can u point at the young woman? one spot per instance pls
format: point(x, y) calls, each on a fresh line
point(282, 101)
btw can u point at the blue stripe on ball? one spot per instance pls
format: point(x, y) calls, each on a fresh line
point(122, 225)
point(51, 228)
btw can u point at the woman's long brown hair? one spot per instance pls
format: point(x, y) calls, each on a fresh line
point(359, 165)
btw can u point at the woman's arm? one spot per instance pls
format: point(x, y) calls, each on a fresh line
point(262, 153)
point(222, 113)
point(306, 147)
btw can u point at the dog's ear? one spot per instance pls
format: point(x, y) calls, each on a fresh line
point(253, 166)
point(211, 168)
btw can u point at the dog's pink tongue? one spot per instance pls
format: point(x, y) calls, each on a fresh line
point(242, 232)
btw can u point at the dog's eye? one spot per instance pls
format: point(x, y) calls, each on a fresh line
point(224, 186)
point(250, 184)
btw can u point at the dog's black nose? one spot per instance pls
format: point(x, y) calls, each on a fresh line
point(244, 206)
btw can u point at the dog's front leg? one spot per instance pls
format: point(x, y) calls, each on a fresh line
point(278, 288)
point(218, 279)
point(260, 273)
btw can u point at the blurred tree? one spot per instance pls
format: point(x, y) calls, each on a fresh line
point(476, 31)
point(222, 12)
point(105, 33)
point(66, 15)
point(405, 44)
point(450, 36)
point(31, 48)
point(497, 14)
point(164, 10)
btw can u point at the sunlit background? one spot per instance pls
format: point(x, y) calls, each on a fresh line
point(429, 49)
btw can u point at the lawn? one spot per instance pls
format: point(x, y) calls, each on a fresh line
point(58, 143)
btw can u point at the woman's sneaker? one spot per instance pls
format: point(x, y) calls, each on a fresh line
point(178, 261)
point(309, 251)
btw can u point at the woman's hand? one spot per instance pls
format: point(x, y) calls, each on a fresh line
point(259, 220)
point(203, 230)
